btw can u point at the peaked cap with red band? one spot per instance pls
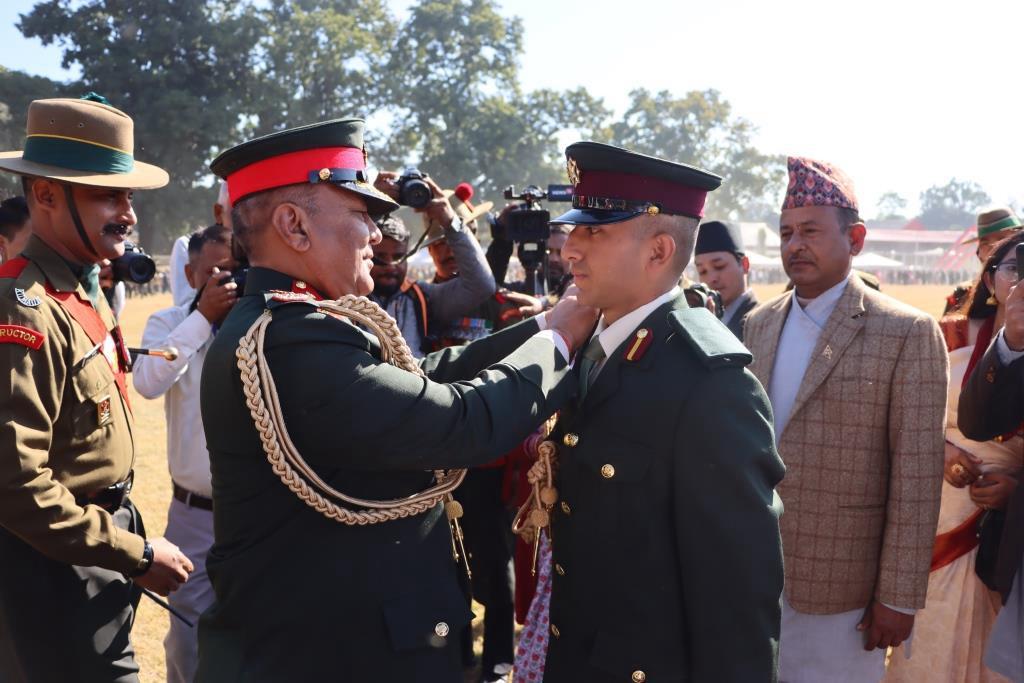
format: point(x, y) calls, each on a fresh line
point(818, 183)
point(611, 185)
point(326, 152)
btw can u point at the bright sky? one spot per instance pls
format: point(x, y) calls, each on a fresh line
point(902, 94)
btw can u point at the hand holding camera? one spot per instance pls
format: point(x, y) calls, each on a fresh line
point(219, 294)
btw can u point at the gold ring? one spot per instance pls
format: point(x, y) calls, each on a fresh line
point(958, 469)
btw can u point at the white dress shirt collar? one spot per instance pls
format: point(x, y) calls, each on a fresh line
point(820, 308)
point(614, 335)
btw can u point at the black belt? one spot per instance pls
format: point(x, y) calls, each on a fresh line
point(111, 498)
point(183, 495)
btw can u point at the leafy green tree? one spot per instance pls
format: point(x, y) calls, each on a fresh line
point(17, 90)
point(891, 206)
point(953, 205)
point(322, 60)
point(180, 69)
point(699, 128)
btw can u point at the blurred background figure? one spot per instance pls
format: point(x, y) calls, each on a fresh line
point(722, 266)
point(15, 227)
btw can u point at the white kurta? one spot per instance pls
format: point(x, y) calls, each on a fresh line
point(814, 647)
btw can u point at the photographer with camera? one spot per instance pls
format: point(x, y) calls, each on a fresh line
point(423, 308)
point(190, 329)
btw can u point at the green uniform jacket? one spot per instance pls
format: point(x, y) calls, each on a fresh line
point(666, 547)
point(300, 597)
point(66, 430)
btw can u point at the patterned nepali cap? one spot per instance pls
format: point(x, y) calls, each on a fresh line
point(818, 183)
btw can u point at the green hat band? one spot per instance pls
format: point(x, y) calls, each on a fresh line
point(1008, 222)
point(79, 155)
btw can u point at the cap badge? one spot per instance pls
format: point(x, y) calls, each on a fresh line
point(638, 345)
point(573, 170)
point(653, 210)
point(325, 174)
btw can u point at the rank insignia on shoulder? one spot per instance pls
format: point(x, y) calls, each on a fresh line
point(16, 334)
point(280, 295)
point(25, 300)
point(637, 346)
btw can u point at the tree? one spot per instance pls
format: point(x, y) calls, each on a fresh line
point(891, 206)
point(456, 106)
point(323, 60)
point(953, 205)
point(17, 90)
point(179, 69)
point(699, 128)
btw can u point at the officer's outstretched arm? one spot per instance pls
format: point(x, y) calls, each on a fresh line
point(727, 529)
point(465, 362)
point(345, 407)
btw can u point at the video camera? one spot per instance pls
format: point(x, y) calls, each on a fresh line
point(133, 266)
point(530, 228)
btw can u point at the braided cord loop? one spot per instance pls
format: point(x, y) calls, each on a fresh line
point(288, 464)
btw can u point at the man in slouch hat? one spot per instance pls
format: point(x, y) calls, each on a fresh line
point(71, 541)
point(333, 557)
point(667, 563)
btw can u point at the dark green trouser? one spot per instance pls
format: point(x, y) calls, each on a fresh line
point(60, 622)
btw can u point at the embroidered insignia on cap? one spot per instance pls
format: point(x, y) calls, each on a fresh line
point(16, 334)
point(25, 300)
point(638, 345)
point(573, 170)
point(325, 173)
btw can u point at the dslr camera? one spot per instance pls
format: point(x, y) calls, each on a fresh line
point(412, 190)
point(133, 266)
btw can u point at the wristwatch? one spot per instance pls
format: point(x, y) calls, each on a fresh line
point(146, 562)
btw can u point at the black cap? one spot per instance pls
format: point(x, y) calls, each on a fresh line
point(612, 184)
point(719, 236)
point(326, 152)
point(392, 227)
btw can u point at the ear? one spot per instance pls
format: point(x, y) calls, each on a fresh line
point(218, 214)
point(857, 234)
point(663, 249)
point(745, 265)
point(986, 277)
point(291, 222)
point(190, 275)
point(44, 193)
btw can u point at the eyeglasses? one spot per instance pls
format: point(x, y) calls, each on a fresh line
point(1008, 269)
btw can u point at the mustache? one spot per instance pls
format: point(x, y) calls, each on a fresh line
point(120, 229)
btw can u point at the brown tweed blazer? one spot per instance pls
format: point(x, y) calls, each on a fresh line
point(863, 451)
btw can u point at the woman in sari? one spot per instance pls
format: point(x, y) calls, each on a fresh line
point(950, 633)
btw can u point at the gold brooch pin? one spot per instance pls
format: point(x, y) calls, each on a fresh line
point(827, 352)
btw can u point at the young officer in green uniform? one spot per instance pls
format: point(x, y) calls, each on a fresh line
point(666, 548)
point(70, 540)
point(312, 585)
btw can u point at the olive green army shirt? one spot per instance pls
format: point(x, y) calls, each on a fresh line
point(66, 431)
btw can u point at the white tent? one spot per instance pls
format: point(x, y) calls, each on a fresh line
point(872, 261)
point(759, 261)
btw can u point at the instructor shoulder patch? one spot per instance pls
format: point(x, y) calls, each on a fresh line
point(16, 334)
point(712, 341)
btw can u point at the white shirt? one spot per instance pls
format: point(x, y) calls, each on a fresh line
point(178, 382)
point(796, 345)
point(181, 291)
point(615, 335)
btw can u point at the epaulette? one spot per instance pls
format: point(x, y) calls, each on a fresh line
point(714, 344)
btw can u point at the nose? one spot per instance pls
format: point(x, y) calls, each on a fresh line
point(571, 251)
point(127, 212)
point(375, 234)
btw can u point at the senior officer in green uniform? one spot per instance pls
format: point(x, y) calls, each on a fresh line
point(70, 541)
point(304, 589)
point(666, 547)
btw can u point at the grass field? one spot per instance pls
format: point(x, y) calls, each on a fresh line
point(152, 492)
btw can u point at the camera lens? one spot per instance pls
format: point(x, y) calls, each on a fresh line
point(415, 193)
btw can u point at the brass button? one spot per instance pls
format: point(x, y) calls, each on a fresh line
point(571, 439)
point(441, 629)
point(559, 569)
point(607, 471)
point(555, 632)
point(565, 508)
point(639, 677)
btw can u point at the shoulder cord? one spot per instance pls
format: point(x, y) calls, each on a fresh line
point(285, 459)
